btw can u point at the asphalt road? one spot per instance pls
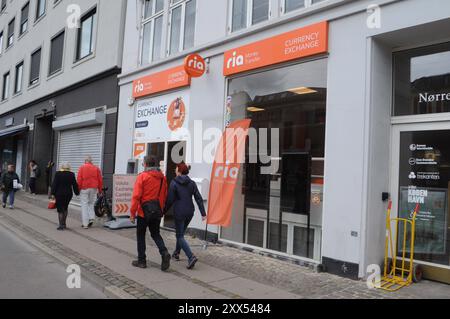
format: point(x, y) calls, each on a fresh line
point(27, 273)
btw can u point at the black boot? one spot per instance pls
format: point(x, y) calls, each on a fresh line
point(165, 263)
point(61, 221)
point(139, 264)
point(65, 219)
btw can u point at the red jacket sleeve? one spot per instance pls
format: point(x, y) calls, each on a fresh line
point(100, 180)
point(137, 195)
point(163, 194)
point(80, 178)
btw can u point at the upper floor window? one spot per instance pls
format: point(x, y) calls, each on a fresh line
point(5, 87)
point(1, 42)
point(11, 32)
point(85, 43)
point(19, 78)
point(35, 67)
point(40, 8)
point(291, 5)
point(245, 13)
point(152, 27)
point(56, 53)
point(182, 25)
point(3, 7)
point(24, 18)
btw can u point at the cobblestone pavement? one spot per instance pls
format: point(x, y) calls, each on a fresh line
point(297, 279)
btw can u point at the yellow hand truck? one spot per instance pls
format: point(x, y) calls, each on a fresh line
point(399, 270)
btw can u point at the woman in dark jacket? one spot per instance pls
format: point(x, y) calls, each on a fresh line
point(181, 190)
point(63, 187)
point(7, 184)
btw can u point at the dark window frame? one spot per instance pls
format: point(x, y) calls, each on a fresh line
point(35, 80)
point(92, 13)
point(18, 86)
point(50, 72)
point(22, 20)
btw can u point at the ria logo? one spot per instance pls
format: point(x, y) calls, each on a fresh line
point(227, 172)
point(139, 87)
point(196, 64)
point(235, 60)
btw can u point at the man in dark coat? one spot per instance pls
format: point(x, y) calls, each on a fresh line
point(10, 184)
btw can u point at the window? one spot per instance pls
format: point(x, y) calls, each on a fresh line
point(24, 18)
point(56, 53)
point(86, 35)
point(40, 8)
point(152, 27)
point(422, 80)
point(35, 68)
point(291, 5)
point(245, 13)
point(5, 88)
point(10, 33)
point(182, 25)
point(19, 78)
point(3, 7)
point(1, 42)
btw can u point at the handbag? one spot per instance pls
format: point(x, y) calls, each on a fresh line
point(52, 204)
point(152, 209)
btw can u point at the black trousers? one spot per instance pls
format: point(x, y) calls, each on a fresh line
point(141, 231)
point(33, 185)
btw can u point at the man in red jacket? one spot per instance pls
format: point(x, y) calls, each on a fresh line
point(90, 183)
point(150, 192)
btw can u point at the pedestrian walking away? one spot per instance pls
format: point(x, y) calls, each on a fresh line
point(149, 197)
point(90, 183)
point(181, 191)
point(10, 184)
point(34, 175)
point(63, 187)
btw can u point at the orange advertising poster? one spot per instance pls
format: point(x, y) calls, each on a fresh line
point(303, 42)
point(225, 172)
point(162, 81)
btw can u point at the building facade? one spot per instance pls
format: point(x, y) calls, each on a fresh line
point(359, 99)
point(59, 63)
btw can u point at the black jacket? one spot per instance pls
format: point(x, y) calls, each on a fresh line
point(181, 190)
point(7, 180)
point(64, 183)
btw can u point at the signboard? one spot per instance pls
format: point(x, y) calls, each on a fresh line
point(122, 194)
point(162, 81)
point(162, 117)
point(303, 42)
point(431, 222)
point(194, 65)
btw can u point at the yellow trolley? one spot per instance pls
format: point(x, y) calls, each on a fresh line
point(399, 270)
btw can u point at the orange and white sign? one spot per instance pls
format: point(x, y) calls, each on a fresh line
point(162, 81)
point(176, 115)
point(122, 193)
point(303, 42)
point(224, 176)
point(194, 65)
point(139, 149)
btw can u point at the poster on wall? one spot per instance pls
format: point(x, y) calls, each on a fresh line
point(122, 194)
point(162, 118)
point(431, 222)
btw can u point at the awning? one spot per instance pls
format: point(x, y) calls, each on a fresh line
point(14, 130)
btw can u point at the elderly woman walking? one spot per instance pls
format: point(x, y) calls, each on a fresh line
point(63, 187)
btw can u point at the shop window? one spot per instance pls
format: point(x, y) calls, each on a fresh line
point(288, 105)
point(85, 37)
point(302, 247)
point(422, 80)
point(152, 31)
point(56, 53)
point(245, 13)
point(255, 233)
point(182, 25)
point(35, 68)
point(24, 18)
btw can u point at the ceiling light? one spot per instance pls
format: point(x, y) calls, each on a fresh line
point(302, 90)
point(254, 109)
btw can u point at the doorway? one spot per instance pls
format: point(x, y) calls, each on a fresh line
point(420, 174)
point(43, 148)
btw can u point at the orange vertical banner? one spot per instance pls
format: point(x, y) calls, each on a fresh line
point(225, 171)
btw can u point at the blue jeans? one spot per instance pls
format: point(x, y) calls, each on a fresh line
point(181, 225)
point(11, 197)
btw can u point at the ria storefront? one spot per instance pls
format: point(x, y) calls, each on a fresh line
point(347, 117)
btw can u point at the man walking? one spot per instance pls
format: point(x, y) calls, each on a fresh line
point(149, 196)
point(34, 175)
point(90, 183)
point(9, 184)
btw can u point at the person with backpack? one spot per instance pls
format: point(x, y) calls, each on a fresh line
point(9, 185)
point(35, 173)
point(149, 197)
point(181, 191)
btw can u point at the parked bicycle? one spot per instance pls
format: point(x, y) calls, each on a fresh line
point(103, 205)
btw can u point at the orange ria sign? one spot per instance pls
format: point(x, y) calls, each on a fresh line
point(292, 45)
point(162, 81)
point(194, 65)
point(225, 172)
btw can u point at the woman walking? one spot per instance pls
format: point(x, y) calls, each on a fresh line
point(63, 187)
point(181, 191)
point(10, 185)
point(34, 175)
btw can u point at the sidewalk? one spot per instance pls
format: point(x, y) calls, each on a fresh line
point(222, 272)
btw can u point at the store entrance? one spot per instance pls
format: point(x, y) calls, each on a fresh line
point(421, 174)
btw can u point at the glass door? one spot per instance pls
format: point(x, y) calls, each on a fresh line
point(421, 175)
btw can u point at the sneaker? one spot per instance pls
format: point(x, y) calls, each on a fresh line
point(139, 264)
point(176, 256)
point(11, 207)
point(165, 263)
point(4, 205)
point(91, 222)
point(192, 262)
